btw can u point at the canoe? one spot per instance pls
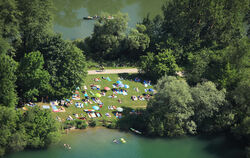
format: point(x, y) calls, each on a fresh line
point(88, 18)
point(138, 132)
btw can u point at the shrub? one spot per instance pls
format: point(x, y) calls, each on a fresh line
point(92, 123)
point(81, 124)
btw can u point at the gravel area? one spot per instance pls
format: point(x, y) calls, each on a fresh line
point(113, 71)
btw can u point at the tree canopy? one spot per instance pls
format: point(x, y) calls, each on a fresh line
point(33, 80)
point(170, 110)
point(156, 66)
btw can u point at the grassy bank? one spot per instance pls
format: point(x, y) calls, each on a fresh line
point(127, 102)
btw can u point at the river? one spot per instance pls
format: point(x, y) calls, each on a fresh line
point(68, 14)
point(97, 143)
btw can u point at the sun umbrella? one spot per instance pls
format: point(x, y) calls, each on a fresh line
point(106, 88)
point(95, 107)
point(119, 109)
point(118, 82)
point(126, 86)
point(98, 95)
point(121, 85)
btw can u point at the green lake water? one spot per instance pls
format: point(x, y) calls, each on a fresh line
point(97, 143)
point(68, 14)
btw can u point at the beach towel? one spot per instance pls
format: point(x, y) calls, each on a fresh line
point(108, 115)
point(46, 107)
point(54, 108)
point(91, 92)
point(109, 79)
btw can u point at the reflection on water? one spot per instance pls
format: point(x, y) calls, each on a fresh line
point(68, 14)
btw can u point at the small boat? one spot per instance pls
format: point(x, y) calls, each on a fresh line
point(91, 17)
point(136, 131)
point(88, 18)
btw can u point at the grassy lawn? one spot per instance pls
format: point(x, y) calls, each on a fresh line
point(126, 100)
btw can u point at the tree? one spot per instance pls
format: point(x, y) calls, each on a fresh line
point(41, 128)
point(156, 66)
point(33, 80)
point(65, 64)
point(9, 22)
point(137, 42)
point(241, 97)
point(12, 134)
point(153, 30)
point(107, 36)
point(208, 102)
point(8, 96)
point(35, 23)
point(170, 110)
point(198, 24)
point(197, 65)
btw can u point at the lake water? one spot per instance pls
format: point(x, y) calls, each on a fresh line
point(68, 14)
point(97, 143)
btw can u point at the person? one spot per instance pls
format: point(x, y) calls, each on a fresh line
point(101, 67)
point(115, 141)
point(119, 100)
point(69, 147)
point(149, 83)
point(137, 89)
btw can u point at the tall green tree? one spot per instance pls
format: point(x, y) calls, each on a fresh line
point(198, 24)
point(8, 96)
point(208, 102)
point(41, 128)
point(35, 22)
point(105, 42)
point(12, 133)
point(33, 80)
point(137, 42)
point(156, 66)
point(170, 110)
point(65, 64)
point(153, 30)
point(195, 25)
point(9, 19)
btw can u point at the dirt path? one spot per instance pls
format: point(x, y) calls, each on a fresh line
point(113, 71)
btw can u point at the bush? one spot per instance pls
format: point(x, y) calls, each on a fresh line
point(112, 125)
point(92, 123)
point(81, 124)
point(69, 124)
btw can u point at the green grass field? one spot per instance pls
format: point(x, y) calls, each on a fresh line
point(126, 100)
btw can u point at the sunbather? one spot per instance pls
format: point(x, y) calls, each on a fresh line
point(136, 89)
point(133, 98)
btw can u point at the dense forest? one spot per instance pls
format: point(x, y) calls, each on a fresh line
point(206, 40)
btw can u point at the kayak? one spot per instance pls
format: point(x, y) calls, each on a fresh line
point(138, 132)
